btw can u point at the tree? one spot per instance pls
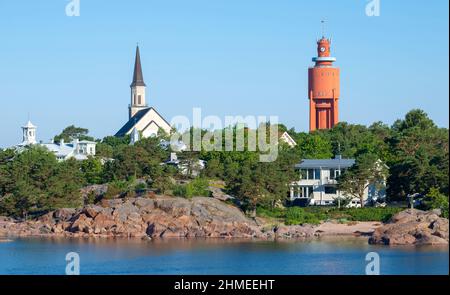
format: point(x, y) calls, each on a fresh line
point(214, 168)
point(366, 171)
point(189, 163)
point(313, 145)
point(419, 157)
point(92, 170)
point(71, 132)
point(63, 187)
point(34, 181)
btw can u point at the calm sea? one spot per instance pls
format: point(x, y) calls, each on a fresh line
point(198, 256)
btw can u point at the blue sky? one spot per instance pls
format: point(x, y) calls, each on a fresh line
point(229, 57)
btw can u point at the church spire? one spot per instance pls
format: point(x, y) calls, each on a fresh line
point(138, 78)
point(138, 101)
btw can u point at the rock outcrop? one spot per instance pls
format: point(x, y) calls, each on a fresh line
point(159, 217)
point(169, 217)
point(413, 227)
point(295, 231)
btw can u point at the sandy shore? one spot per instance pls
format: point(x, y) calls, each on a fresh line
point(338, 229)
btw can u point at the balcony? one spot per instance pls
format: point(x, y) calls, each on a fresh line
point(328, 181)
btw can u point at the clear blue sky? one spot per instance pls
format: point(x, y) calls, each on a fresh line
point(229, 57)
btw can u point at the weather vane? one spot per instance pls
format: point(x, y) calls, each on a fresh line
point(323, 27)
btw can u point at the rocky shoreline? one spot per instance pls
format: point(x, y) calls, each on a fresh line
point(413, 227)
point(200, 217)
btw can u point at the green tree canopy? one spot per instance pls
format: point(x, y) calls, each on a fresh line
point(72, 132)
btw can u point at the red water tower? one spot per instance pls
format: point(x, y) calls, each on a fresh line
point(323, 89)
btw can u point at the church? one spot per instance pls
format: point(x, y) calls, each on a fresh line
point(142, 119)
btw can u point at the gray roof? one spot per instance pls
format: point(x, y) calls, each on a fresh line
point(138, 77)
point(325, 163)
point(135, 119)
point(132, 122)
point(62, 150)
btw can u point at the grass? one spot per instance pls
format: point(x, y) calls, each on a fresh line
point(316, 214)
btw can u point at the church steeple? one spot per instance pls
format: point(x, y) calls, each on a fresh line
point(137, 87)
point(138, 78)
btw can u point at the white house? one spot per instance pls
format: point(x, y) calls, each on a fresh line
point(183, 167)
point(79, 150)
point(317, 184)
point(285, 137)
point(141, 117)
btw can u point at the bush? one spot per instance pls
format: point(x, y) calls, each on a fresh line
point(118, 188)
point(196, 188)
point(163, 185)
point(271, 213)
point(91, 198)
point(179, 190)
point(316, 214)
point(367, 213)
point(140, 188)
point(435, 200)
point(297, 215)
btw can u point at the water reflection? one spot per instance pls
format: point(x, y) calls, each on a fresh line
point(337, 255)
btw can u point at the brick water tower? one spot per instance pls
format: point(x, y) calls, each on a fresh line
point(323, 89)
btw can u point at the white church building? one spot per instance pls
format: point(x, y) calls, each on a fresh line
point(146, 120)
point(77, 149)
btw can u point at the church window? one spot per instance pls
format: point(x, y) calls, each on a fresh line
point(139, 99)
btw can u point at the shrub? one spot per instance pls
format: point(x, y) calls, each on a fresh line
point(316, 214)
point(297, 215)
point(91, 198)
point(370, 213)
point(140, 188)
point(179, 190)
point(196, 188)
point(118, 188)
point(435, 200)
point(163, 185)
point(270, 213)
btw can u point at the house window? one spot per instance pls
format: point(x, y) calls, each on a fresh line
point(330, 190)
point(309, 191)
point(334, 173)
point(316, 173)
point(310, 174)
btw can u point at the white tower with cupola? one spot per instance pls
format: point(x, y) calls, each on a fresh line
point(29, 134)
